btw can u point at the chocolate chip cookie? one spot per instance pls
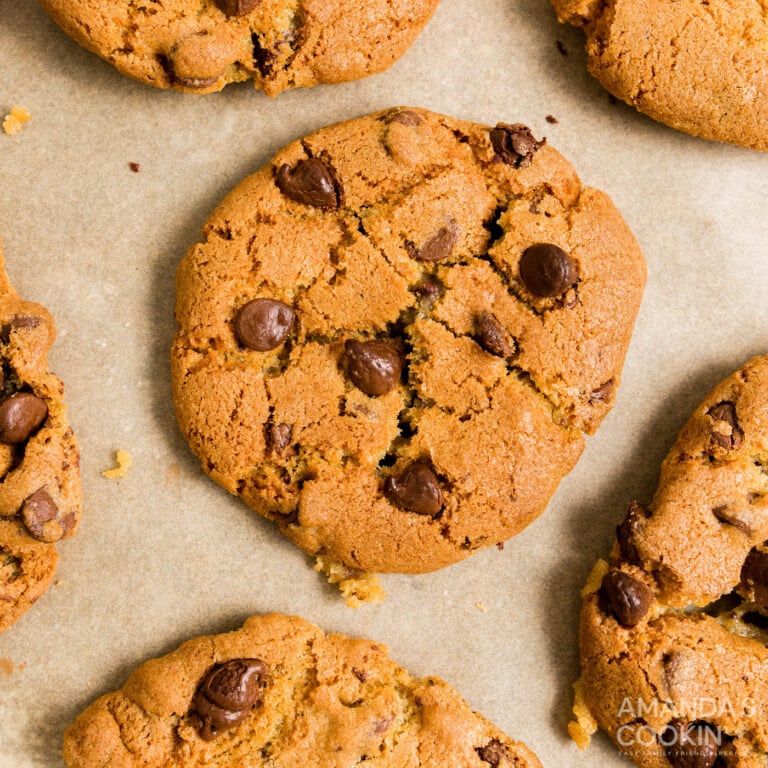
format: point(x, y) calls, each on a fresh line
point(393, 337)
point(279, 691)
point(39, 461)
point(200, 46)
point(700, 67)
point(674, 627)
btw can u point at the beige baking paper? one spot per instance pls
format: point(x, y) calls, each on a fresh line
point(163, 554)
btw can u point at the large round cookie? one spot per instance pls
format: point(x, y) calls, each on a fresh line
point(280, 692)
point(394, 335)
point(700, 67)
point(39, 462)
point(200, 46)
point(674, 629)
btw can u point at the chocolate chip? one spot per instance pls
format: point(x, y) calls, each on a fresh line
point(726, 431)
point(547, 270)
point(17, 321)
point(403, 116)
point(691, 745)
point(237, 7)
point(494, 753)
point(428, 289)
point(263, 324)
point(374, 367)
point(604, 393)
point(227, 694)
point(628, 598)
point(491, 336)
point(42, 518)
point(279, 438)
point(20, 415)
point(754, 575)
point(439, 245)
point(738, 516)
point(515, 144)
point(415, 490)
point(310, 182)
point(627, 531)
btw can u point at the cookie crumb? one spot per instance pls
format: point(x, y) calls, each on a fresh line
point(561, 48)
point(172, 474)
point(551, 119)
point(135, 167)
point(6, 666)
point(582, 728)
point(124, 463)
point(357, 587)
point(481, 606)
point(15, 120)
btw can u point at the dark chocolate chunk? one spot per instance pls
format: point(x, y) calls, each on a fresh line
point(494, 753)
point(491, 336)
point(515, 144)
point(20, 415)
point(628, 598)
point(439, 245)
point(42, 518)
point(731, 436)
point(310, 182)
point(263, 324)
point(547, 270)
point(691, 745)
point(415, 490)
point(374, 367)
point(237, 7)
point(227, 694)
point(279, 438)
point(627, 531)
point(754, 575)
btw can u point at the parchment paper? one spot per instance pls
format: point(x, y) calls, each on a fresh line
point(164, 554)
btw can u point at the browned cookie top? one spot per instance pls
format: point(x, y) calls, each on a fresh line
point(39, 461)
point(674, 629)
point(202, 45)
point(395, 334)
point(700, 67)
point(280, 692)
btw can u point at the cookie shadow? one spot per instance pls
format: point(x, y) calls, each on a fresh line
point(592, 524)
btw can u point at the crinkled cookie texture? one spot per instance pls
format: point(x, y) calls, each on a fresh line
point(280, 692)
point(199, 46)
point(700, 66)
point(394, 335)
point(674, 629)
point(39, 462)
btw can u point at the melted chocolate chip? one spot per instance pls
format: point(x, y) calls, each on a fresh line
point(227, 694)
point(726, 431)
point(279, 438)
point(754, 575)
point(310, 182)
point(237, 7)
point(691, 745)
point(415, 490)
point(439, 245)
point(547, 270)
point(604, 393)
point(263, 324)
point(404, 117)
point(628, 598)
point(627, 531)
point(494, 753)
point(20, 415)
point(42, 518)
point(491, 336)
point(374, 367)
point(514, 144)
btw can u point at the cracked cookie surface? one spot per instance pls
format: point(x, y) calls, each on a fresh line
point(361, 356)
point(200, 46)
point(674, 629)
point(39, 461)
point(700, 66)
point(279, 691)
